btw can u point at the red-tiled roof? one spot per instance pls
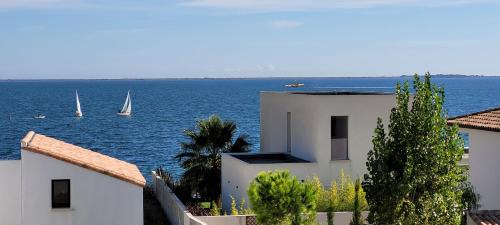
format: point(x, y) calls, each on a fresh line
point(82, 157)
point(485, 120)
point(485, 217)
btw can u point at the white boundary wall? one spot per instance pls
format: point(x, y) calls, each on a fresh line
point(340, 218)
point(176, 212)
point(10, 192)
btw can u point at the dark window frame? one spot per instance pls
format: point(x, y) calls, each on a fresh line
point(336, 121)
point(65, 204)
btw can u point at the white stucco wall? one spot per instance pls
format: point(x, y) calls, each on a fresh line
point(310, 125)
point(484, 155)
point(236, 176)
point(96, 198)
point(10, 192)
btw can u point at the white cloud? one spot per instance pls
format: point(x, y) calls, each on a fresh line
point(303, 5)
point(285, 24)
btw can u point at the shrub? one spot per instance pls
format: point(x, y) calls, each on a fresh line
point(234, 210)
point(280, 198)
point(215, 210)
point(244, 210)
point(357, 219)
point(340, 195)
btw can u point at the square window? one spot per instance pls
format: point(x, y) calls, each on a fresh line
point(61, 193)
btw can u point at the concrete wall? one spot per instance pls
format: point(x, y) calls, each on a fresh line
point(176, 212)
point(236, 176)
point(340, 218)
point(310, 127)
point(484, 155)
point(224, 220)
point(96, 198)
point(10, 192)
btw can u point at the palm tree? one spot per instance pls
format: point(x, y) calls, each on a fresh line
point(201, 155)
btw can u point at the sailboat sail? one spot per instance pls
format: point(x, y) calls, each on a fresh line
point(127, 106)
point(78, 112)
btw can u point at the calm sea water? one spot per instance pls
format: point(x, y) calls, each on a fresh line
point(162, 109)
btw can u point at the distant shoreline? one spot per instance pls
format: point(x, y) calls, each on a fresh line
point(250, 78)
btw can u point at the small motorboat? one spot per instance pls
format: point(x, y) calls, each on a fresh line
point(295, 84)
point(39, 116)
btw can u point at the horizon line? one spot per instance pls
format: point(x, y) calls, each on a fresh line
point(246, 78)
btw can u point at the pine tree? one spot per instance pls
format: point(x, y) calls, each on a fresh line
point(413, 174)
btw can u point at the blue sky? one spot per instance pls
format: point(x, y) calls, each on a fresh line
point(246, 38)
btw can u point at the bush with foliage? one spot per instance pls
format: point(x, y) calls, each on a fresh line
point(339, 197)
point(215, 210)
point(357, 218)
point(413, 174)
point(234, 210)
point(280, 198)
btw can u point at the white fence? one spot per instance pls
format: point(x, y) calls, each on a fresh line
point(340, 218)
point(174, 209)
point(177, 213)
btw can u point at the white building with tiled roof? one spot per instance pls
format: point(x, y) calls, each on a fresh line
point(56, 183)
point(484, 154)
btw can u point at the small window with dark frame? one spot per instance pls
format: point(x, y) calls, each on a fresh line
point(339, 137)
point(61, 193)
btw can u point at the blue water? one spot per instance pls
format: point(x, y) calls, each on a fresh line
point(162, 109)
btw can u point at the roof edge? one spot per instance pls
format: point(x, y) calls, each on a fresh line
point(474, 113)
point(473, 127)
point(26, 145)
point(83, 165)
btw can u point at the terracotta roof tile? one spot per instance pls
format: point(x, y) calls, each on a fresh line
point(485, 120)
point(486, 217)
point(85, 158)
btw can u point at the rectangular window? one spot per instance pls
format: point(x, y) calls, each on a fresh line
point(61, 193)
point(289, 132)
point(339, 137)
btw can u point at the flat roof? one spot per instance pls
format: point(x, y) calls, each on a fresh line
point(332, 92)
point(268, 158)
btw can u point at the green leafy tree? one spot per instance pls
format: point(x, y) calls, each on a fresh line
point(413, 176)
point(357, 218)
point(278, 198)
point(201, 155)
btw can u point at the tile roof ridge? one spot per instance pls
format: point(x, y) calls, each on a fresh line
point(474, 113)
point(27, 139)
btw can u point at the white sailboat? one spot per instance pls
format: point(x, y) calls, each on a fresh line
point(78, 112)
point(127, 106)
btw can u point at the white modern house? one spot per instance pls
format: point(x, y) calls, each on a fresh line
point(308, 133)
point(484, 144)
point(56, 183)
